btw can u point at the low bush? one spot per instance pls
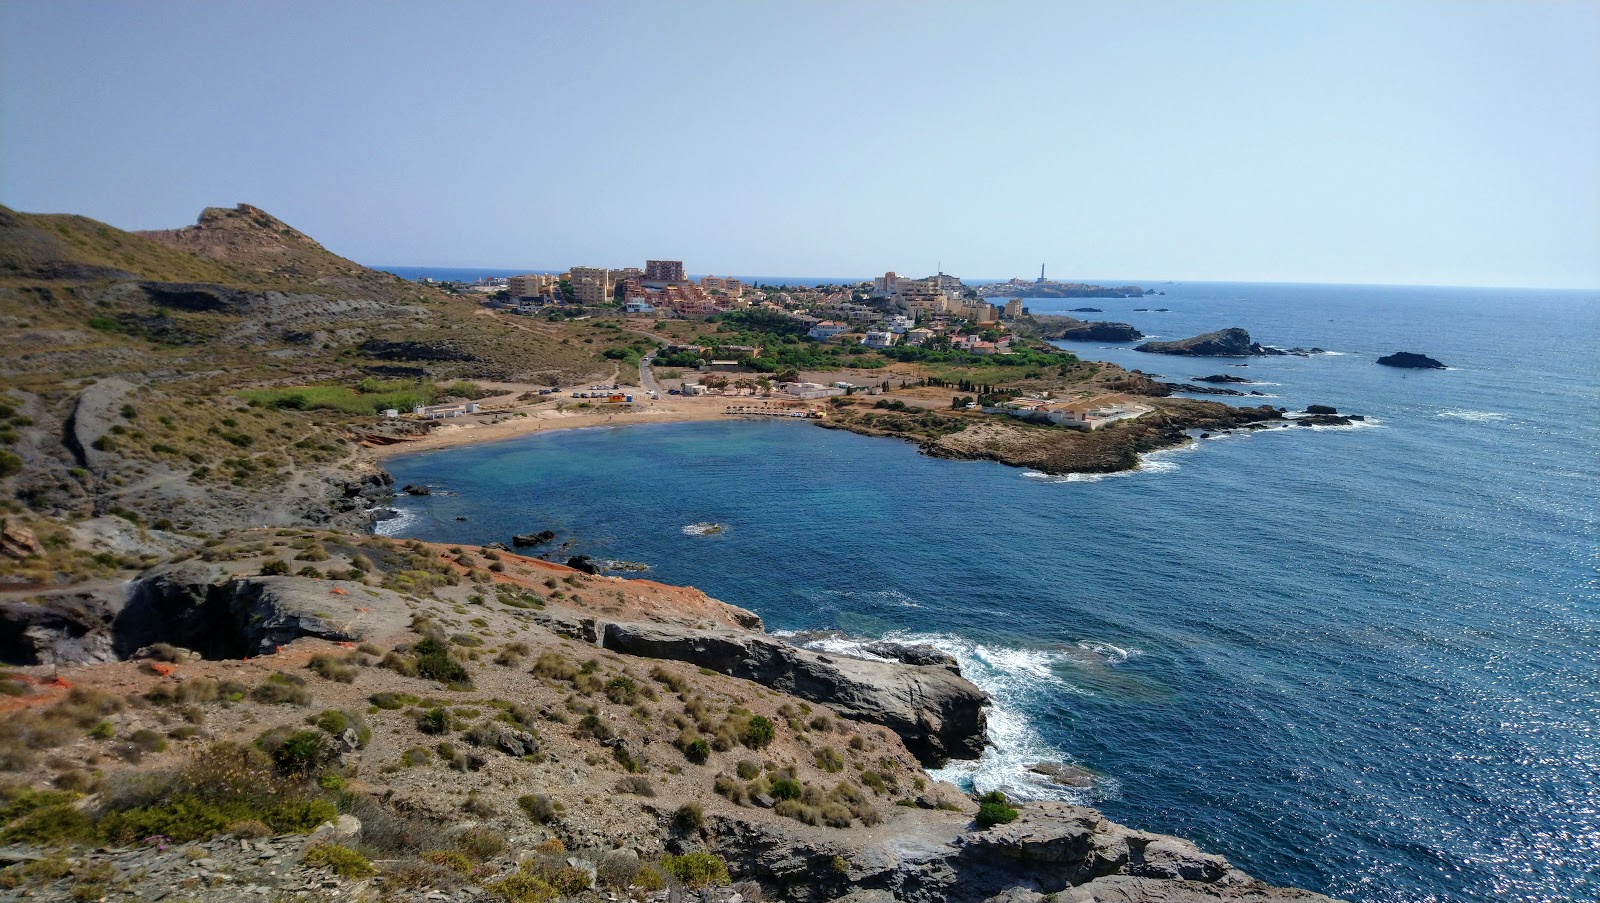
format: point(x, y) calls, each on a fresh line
point(434, 661)
point(480, 844)
point(637, 784)
point(392, 701)
point(218, 787)
point(697, 870)
point(758, 734)
point(689, 817)
point(341, 860)
point(995, 809)
point(434, 721)
point(829, 760)
point(540, 807)
point(282, 689)
point(330, 667)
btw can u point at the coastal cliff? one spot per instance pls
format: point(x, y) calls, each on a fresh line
point(626, 725)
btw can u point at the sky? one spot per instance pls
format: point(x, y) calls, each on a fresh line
point(1399, 142)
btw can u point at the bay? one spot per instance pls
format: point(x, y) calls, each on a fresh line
point(1362, 660)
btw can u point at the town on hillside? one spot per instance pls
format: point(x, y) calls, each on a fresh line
point(777, 349)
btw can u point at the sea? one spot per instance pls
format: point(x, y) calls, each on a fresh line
point(1361, 660)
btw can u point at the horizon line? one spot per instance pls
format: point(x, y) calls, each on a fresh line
point(992, 279)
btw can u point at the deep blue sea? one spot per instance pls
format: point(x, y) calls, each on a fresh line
point(1364, 661)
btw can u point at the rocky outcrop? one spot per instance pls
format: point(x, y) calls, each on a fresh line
point(1200, 390)
point(1066, 852)
point(938, 714)
point(61, 628)
point(1412, 361)
point(1221, 378)
point(1234, 342)
point(192, 605)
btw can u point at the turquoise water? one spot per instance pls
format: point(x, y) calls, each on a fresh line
point(1364, 661)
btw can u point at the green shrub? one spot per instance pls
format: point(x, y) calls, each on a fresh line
point(786, 789)
point(10, 463)
point(995, 809)
point(758, 734)
point(282, 689)
point(697, 750)
point(42, 817)
point(450, 859)
point(480, 843)
point(622, 690)
point(392, 701)
point(434, 721)
point(697, 870)
point(275, 567)
point(299, 752)
point(341, 860)
point(829, 760)
point(330, 667)
point(540, 807)
point(434, 661)
point(523, 887)
point(689, 817)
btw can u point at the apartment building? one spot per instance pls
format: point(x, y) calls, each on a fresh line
point(664, 271)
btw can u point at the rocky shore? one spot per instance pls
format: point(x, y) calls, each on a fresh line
point(1050, 449)
point(640, 726)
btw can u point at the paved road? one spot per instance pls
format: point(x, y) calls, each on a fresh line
point(647, 380)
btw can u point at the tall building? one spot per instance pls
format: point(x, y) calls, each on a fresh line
point(664, 271)
point(532, 285)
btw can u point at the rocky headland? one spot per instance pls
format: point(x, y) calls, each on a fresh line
point(1021, 288)
point(1231, 342)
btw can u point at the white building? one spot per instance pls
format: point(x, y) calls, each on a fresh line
point(827, 329)
point(877, 339)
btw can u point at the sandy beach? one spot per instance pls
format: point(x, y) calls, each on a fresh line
point(473, 430)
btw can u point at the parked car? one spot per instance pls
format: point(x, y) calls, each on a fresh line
point(674, 392)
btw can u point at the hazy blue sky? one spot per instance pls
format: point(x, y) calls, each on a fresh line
point(1408, 142)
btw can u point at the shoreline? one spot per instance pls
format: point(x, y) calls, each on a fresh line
point(455, 436)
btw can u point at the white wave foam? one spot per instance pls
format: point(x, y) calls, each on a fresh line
point(703, 529)
point(398, 525)
point(844, 646)
point(1109, 653)
point(1015, 680)
point(1472, 416)
point(1149, 463)
point(1367, 424)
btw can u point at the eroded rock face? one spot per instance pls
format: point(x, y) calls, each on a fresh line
point(939, 714)
point(59, 628)
point(193, 605)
